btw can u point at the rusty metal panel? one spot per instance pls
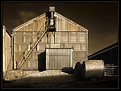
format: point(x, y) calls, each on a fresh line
point(57, 58)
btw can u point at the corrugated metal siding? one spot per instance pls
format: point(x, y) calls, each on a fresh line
point(58, 39)
point(7, 62)
point(68, 35)
point(58, 58)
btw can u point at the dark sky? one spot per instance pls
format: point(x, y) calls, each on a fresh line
point(100, 18)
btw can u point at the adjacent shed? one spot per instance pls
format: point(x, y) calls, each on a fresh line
point(7, 61)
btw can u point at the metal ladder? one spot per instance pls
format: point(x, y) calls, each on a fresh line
point(26, 54)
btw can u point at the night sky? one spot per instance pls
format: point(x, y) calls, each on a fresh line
point(100, 18)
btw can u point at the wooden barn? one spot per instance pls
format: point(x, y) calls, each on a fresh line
point(49, 41)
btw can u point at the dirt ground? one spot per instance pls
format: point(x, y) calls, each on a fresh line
point(59, 80)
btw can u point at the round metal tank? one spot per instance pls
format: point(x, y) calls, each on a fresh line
point(93, 68)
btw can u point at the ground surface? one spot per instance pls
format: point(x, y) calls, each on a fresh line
point(59, 79)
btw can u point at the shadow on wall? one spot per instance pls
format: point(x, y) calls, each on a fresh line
point(42, 61)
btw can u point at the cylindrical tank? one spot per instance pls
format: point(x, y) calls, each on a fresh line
point(93, 69)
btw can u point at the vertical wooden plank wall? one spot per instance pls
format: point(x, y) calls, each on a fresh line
point(7, 62)
point(58, 58)
point(68, 35)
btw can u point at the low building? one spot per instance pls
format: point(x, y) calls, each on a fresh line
point(7, 60)
point(109, 54)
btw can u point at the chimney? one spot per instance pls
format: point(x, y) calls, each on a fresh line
point(51, 9)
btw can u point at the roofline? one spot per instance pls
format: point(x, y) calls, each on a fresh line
point(104, 49)
point(26, 23)
point(42, 15)
point(7, 31)
point(71, 21)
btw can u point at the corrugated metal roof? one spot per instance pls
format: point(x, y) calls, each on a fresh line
point(104, 50)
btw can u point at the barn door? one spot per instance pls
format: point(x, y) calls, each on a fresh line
point(57, 58)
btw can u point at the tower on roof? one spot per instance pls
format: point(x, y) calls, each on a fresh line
point(51, 19)
point(52, 8)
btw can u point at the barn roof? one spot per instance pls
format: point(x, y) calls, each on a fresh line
point(18, 28)
point(4, 29)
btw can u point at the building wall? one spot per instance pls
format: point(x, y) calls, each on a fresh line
point(7, 63)
point(58, 58)
point(68, 35)
point(109, 54)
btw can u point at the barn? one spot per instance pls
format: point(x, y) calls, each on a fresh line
point(38, 51)
point(49, 41)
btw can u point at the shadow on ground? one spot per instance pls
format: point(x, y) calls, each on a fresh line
point(63, 81)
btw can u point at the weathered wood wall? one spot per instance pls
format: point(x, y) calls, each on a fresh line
point(7, 63)
point(68, 35)
point(58, 58)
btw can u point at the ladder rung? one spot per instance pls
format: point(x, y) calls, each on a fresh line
point(31, 49)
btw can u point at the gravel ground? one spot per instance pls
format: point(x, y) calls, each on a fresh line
point(59, 79)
